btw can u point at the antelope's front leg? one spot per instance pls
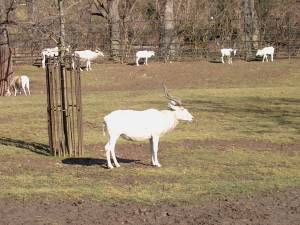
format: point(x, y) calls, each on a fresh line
point(155, 141)
point(90, 66)
point(152, 151)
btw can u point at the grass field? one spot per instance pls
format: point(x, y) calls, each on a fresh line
point(244, 139)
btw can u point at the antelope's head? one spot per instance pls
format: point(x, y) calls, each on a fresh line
point(99, 52)
point(175, 105)
point(259, 52)
point(151, 53)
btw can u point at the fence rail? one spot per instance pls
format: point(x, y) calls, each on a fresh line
point(190, 40)
point(182, 52)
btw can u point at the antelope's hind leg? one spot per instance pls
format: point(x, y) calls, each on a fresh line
point(110, 152)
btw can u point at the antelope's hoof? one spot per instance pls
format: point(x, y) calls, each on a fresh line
point(110, 167)
point(156, 164)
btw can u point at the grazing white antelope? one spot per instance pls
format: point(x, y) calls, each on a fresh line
point(265, 52)
point(17, 83)
point(88, 56)
point(149, 124)
point(228, 52)
point(50, 52)
point(143, 55)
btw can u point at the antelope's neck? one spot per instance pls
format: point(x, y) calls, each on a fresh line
point(171, 119)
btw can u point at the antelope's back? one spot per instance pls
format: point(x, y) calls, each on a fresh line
point(133, 123)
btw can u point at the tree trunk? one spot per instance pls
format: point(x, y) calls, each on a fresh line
point(114, 28)
point(6, 71)
point(250, 29)
point(255, 26)
point(167, 30)
point(63, 83)
point(89, 44)
point(31, 10)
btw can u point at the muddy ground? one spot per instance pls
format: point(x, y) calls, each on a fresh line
point(270, 208)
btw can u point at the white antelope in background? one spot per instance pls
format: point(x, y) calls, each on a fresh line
point(17, 84)
point(50, 52)
point(88, 56)
point(265, 52)
point(149, 124)
point(143, 55)
point(229, 53)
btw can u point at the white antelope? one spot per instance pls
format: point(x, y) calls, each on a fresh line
point(143, 55)
point(50, 52)
point(88, 56)
point(149, 124)
point(17, 83)
point(228, 52)
point(265, 52)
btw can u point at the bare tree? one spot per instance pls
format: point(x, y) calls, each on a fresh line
point(250, 27)
point(123, 26)
point(31, 10)
point(167, 28)
point(6, 72)
point(114, 28)
point(109, 10)
point(127, 7)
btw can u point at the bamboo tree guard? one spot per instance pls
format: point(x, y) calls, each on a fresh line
point(64, 107)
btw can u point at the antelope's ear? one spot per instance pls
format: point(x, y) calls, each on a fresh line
point(172, 106)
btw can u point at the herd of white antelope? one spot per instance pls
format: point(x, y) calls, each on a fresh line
point(132, 125)
point(264, 53)
point(21, 83)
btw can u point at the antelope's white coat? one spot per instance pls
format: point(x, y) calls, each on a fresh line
point(134, 125)
point(228, 52)
point(88, 56)
point(265, 52)
point(143, 55)
point(50, 52)
point(17, 83)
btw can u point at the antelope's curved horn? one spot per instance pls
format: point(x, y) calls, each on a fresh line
point(177, 101)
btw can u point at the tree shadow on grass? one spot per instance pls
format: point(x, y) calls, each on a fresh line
point(35, 147)
point(93, 161)
point(268, 109)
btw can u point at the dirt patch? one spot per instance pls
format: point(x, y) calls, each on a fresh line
point(271, 208)
point(200, 74)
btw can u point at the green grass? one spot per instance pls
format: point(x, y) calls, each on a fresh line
point(188, 176)
point(268, 112)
